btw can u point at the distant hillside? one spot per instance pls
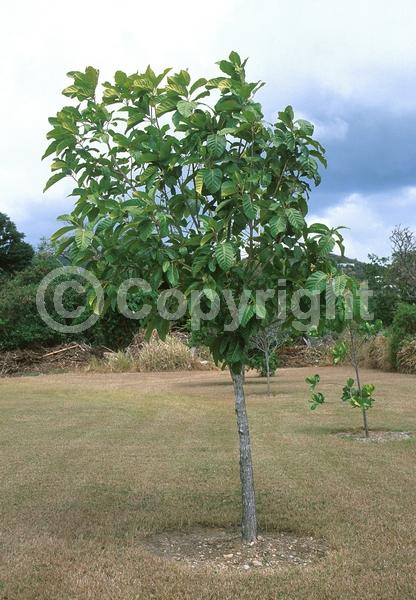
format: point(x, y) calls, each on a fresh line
point(352, 266)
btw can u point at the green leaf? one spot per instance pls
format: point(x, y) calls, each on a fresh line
point(61, 232)
point(225, 255)
point(339, 283)
point(260, 309)
point(313, 380)
point(248, 313)
point(248, 207)
point(199, 182)
point(54, 179)
point(162, 327)
point(278, 224)
point(166, 104)
point(186, 107)
point(228, 188)
point(326, 245)
point(318, 228)
point(216, 145)
point(212, 179)
point(287, 116)
point(198, 263)
point(173, 275)
point(295, 218)
point(197, 84)
point(146, 229)
point(305, 126)
point(83, 238)
point(235, 58)
point(316, 281)
point(210, 293)
point(227, 105)
point(227, 67)
point(50, 149)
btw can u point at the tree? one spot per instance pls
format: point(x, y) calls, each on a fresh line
point(184, 185)
point(361, 396)
point(403, 329)
point(403, 266)
point(15, 254)
point(382, 282)
point(267, 340)
point(352, 318)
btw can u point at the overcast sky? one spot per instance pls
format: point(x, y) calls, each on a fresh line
point(347, 65)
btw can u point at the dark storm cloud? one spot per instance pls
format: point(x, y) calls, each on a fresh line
point(378, 153)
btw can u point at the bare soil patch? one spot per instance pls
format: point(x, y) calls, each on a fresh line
point(223, 550)
point(376, 436)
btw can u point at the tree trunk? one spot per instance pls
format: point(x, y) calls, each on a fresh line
point(365, 420)
point(365, 423)
point(249, 519)
point(268, 374)
point(357, 375)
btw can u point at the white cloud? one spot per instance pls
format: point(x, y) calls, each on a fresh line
point(407, 199)
point(370, 219)
point(334, 128)
point(361, 52)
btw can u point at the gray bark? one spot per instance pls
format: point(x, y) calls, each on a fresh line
point(249, 518)
point(365, 420)
point(268, 373)
point(354, 359)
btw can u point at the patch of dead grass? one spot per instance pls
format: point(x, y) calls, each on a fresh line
point(91, 464)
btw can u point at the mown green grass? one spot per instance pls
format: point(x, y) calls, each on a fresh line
point(90, 463)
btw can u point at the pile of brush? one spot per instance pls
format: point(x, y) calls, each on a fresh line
point(66, 357)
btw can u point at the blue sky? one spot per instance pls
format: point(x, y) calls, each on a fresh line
point(347, 66)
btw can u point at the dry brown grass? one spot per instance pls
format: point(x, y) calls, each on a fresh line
point(156, 355)
point(170, 354)
point(406, 357)
point(90, 463)
point(117, 362)
point(376, 353)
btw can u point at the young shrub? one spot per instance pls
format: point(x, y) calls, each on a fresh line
point(352, 318)
point(263, 350)
point(257, 361)
point(360, 396)
point(316, 398)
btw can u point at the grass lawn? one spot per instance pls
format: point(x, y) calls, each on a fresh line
point(90, 463)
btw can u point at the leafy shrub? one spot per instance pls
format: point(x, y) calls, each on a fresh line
point(257, 360)
point(403, 328)
point(21, 325)
point(406, 357)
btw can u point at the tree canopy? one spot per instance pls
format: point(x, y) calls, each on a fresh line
point(184, 184)
point(15, 254)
